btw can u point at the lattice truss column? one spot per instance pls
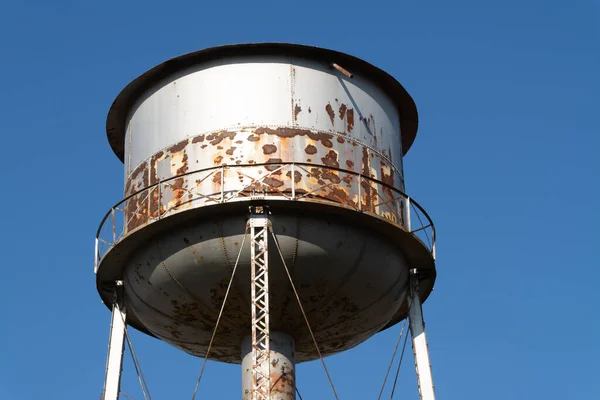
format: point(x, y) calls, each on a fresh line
point(259, 230)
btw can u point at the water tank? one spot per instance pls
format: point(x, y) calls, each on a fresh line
point(315, 136)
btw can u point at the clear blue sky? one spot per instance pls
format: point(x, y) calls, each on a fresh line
point(506, 162)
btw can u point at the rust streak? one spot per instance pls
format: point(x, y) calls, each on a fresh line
point(343, 109)
point(330, 112)
point(350, 119)
point(154, 178)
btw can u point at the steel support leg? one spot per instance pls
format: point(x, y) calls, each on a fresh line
point(259, 266)
point(114, 364)
point(281, 367)
point(419, 341)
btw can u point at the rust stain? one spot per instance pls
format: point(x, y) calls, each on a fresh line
point(134, 183)
point(330, 112)
point(272, 168)
point(253, 138)
point(340, 139)
point(310, 149)
point(184, 164)
point(178, 192)
point(309, 110)
point(343, 109)
point(198, 139)
point(269, 148)
point(154, 178)
point(177, 147)
point(218, 160)
point(350, 164)
point(331, 177)
point(324, 138)
point(364, 184)
point(350, 119)
point(230, 151)
point(269, 180)
point(218, 137)
point(297, 176)
point(365, 162)
point(297, 110)
point(331, 159)
point(217, 177)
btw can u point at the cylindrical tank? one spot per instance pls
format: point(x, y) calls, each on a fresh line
point(204, 136)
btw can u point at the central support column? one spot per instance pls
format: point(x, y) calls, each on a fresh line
point(281, 368)
point(259, 265)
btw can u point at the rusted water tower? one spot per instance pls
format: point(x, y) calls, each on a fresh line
point(264, 214)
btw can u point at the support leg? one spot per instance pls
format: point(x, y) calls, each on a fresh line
point(281, 368)
point(419, 340)
point(259, 266)
point(114, 364)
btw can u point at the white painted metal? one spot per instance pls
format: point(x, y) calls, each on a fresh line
point(259, 259)
point(281, 368)
point(114, 365)
point(419, 340)
point(273, 91)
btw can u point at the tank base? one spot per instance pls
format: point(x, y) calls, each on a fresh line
point(282, 368)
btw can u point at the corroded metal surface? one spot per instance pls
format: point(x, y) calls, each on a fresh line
point(351, 282)
point(273, 128)
point(326, 152)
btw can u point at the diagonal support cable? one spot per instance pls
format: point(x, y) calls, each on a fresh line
point(392, 360)
point(138, 368)
point(303, 312)
point(237, 261)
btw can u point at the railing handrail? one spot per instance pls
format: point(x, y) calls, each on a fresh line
point(223, 167)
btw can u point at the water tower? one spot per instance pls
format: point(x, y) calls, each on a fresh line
point(264, 215)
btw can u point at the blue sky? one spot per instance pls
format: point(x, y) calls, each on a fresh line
point(506, 162)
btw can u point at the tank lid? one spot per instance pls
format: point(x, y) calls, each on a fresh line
point(115, 122)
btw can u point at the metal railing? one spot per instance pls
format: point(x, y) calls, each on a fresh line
point(272, 181)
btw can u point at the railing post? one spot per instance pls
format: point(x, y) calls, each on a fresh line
point(408, 214)
point(114, 225)
point(293, 172)
point(96, 256)
point(222, 183)
point(359, 192)
point(159, 200)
